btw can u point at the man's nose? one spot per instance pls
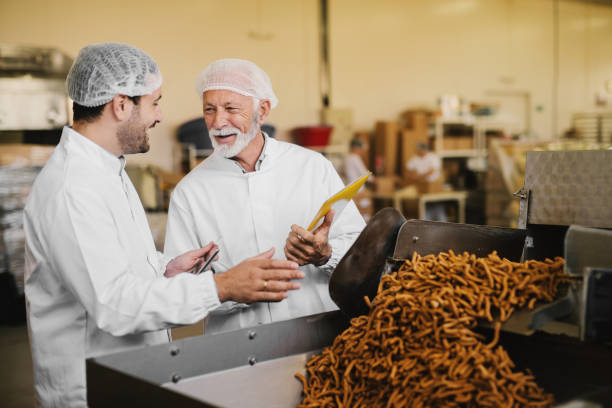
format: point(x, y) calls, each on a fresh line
point(219, 120)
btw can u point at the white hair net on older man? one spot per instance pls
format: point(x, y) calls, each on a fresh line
point(101, 71)
point(237, 75)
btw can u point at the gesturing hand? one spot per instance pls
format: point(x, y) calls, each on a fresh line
point(190, 261)
point(305, 247)
point(258, 279)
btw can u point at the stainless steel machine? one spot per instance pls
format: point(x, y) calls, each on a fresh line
point(33, 99)
point(563, 344)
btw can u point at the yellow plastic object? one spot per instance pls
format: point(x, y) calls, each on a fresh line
point(338, 201)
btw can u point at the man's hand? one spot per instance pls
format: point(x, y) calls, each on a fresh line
point(258, 279)
point(190, 261)
point(305, 247)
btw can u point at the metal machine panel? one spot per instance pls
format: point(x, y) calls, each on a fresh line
point(430, 237)
point(220, 370)
point(570, 187)
point(180, 368)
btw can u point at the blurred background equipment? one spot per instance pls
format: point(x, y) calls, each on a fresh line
point(312, 136)
point(593, 127)
point(34, 105)
point(19, 166)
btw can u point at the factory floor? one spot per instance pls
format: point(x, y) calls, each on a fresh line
point(16, 382)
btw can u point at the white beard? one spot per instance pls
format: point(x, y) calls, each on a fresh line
point(242, 140)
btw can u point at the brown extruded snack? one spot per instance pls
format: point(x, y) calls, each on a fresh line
point(417, 346)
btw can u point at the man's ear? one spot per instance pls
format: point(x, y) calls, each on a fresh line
point(121, 107)
point(263, 111)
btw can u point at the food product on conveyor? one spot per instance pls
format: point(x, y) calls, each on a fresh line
point(417, 346)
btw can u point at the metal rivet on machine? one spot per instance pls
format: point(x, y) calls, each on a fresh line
point(174, 351)
point(252, 360)
point(415, 238)
point(176, 378)
point(252, 334)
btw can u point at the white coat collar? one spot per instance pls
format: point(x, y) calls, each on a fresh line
point(96, 154)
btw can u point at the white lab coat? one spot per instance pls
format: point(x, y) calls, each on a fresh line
point(94, 282)
point(354, 168)
point(422, 165)
point(248, 213)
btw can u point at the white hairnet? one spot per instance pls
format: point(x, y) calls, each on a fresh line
point(237, 75)
point(101, 71)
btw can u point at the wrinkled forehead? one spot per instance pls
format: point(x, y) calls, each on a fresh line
point(225, 96)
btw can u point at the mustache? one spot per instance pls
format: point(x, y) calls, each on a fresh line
point(224, 132)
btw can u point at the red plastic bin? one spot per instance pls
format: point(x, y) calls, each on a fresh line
point(312, 135)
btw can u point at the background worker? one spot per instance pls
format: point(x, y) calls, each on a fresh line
point(425, 167)
point(354, 168)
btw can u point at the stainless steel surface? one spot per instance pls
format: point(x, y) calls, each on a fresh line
point(32, 89)
point(570, 187)
point(190, 360)
point(19, 59)
point(28, 103)
point(523, 195)
point(430, 237)
point(585, 248)
point(243, 386)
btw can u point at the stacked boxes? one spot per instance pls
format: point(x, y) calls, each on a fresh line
point(386, 146)
point(414, 132)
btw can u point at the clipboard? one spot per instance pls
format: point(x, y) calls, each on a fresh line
point(338, 201)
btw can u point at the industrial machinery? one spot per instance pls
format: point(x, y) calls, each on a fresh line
point(565, 211)
point(34, 104)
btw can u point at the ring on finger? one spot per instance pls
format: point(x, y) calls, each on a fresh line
point(265, 285)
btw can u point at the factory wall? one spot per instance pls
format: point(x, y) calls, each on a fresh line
point(385, 55)
point(392, 54)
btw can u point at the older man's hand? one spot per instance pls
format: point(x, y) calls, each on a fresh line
point(258, 279)
point(305, 247)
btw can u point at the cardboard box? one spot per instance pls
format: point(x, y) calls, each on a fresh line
point(385, 184)
point(24, 154)
point(428, 187)
point(448, 143)
point(457, 143)
point(416, 119)
point(386, 137)
point(464, 142)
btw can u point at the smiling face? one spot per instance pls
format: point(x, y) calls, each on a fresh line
point(133, 135)
point(231, 119)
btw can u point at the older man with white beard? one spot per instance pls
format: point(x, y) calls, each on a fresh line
point(255, 193)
